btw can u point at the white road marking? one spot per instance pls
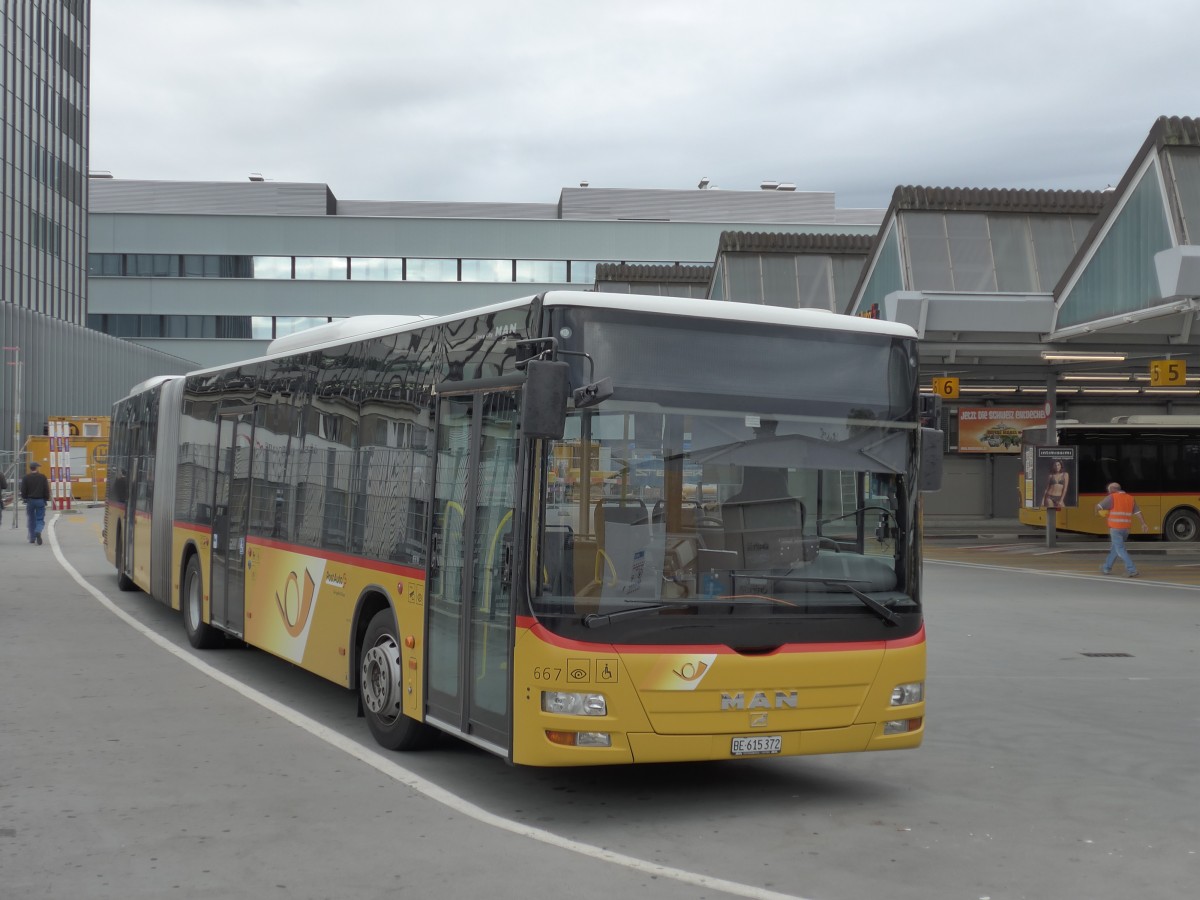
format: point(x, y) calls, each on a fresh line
point(1131, 582)
point(407, 777)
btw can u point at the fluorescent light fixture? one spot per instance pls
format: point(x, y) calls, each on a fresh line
point(1097, 377)
point(1068, 356)
point(1098, 390)
point(1178, 392)
point(1003, 389)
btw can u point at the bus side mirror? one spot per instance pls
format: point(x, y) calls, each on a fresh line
point(544, 405)
point(930, 476)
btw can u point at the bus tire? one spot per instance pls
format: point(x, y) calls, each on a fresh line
point(380, 686)
point(124, 582)
point(1181, 525)
point(200, 635)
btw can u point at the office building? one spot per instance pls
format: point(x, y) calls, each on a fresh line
point(52, 363)
point(214, 271)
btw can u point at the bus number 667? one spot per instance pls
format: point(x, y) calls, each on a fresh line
point(545, 673)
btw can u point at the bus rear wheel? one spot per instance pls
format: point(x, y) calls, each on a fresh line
point(1182, 525)
point(380, 688)
point(200, 635)
point(124, 582)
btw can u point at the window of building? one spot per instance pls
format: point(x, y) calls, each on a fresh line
point(152, 265)
point(291, 324)
point(271, 267)
point(376, 269)
point(552, 271)
point(487, 270)
point(432, 269)
point(320, 268)
point(582, 271)
point(106, 264)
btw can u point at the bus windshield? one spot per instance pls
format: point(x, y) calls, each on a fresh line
point(788, 519)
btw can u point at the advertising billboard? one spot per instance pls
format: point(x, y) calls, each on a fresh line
point(995, 429)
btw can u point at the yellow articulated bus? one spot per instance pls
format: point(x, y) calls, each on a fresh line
point(1155, 458)
point(571, 529)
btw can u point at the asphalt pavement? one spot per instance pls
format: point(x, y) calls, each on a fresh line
point(1008, 543)
point(126, 773)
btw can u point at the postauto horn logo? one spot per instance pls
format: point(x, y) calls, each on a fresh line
point(295, 606)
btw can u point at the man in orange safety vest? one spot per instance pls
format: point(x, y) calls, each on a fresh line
point(1120, 508)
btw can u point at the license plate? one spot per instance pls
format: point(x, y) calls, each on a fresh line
point(758, 745)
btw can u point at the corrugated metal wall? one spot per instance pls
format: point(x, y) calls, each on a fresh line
point(260, 198)
point(67, 370)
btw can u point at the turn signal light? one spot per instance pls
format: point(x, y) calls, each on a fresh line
point(579, 738)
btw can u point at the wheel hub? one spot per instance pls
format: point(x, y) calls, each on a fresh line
point(381, 679)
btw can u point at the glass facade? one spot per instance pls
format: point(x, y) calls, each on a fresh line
point(886, 276)
point(337, 268)
point(795, 281)
point(1120, 276)
point(259, 328)
point(987, 253)
point(43, 164)
point(1183, 163)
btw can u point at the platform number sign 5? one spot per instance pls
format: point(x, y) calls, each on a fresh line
point(946, 388)
point(1168, 373)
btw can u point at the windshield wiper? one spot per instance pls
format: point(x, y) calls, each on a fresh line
point(867, 600)
point(596, 620)
point(870, 602)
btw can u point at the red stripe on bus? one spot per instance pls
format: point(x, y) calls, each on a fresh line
point(546, 636)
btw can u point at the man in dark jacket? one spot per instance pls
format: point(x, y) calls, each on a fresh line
point(35, 491)
point(3, 488)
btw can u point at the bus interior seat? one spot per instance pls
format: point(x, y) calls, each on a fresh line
point(762, 523)
point(690, 515)
point(617, 511)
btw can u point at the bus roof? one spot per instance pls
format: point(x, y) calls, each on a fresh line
point(341, 330)
point(149, 384)
point(358, 328)
point(733, 311)
point(1125, 423)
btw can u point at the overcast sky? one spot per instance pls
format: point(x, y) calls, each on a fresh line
point(514, 100)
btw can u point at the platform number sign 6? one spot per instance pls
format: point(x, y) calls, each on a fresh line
point(946, 388)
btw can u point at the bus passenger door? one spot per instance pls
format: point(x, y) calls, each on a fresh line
point(470, 586)
point(133, 493)
point(230, 512)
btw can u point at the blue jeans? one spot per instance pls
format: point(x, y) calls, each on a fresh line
point(35, 517)
point(1117, 548)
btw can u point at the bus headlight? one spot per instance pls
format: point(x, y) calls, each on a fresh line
point(907, 694)
point(566, 703)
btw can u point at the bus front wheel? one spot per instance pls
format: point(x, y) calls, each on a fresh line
point(200, 635)
point(380, 687)
point(1182, 525)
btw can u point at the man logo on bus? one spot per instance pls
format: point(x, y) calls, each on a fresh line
point(294, 607)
